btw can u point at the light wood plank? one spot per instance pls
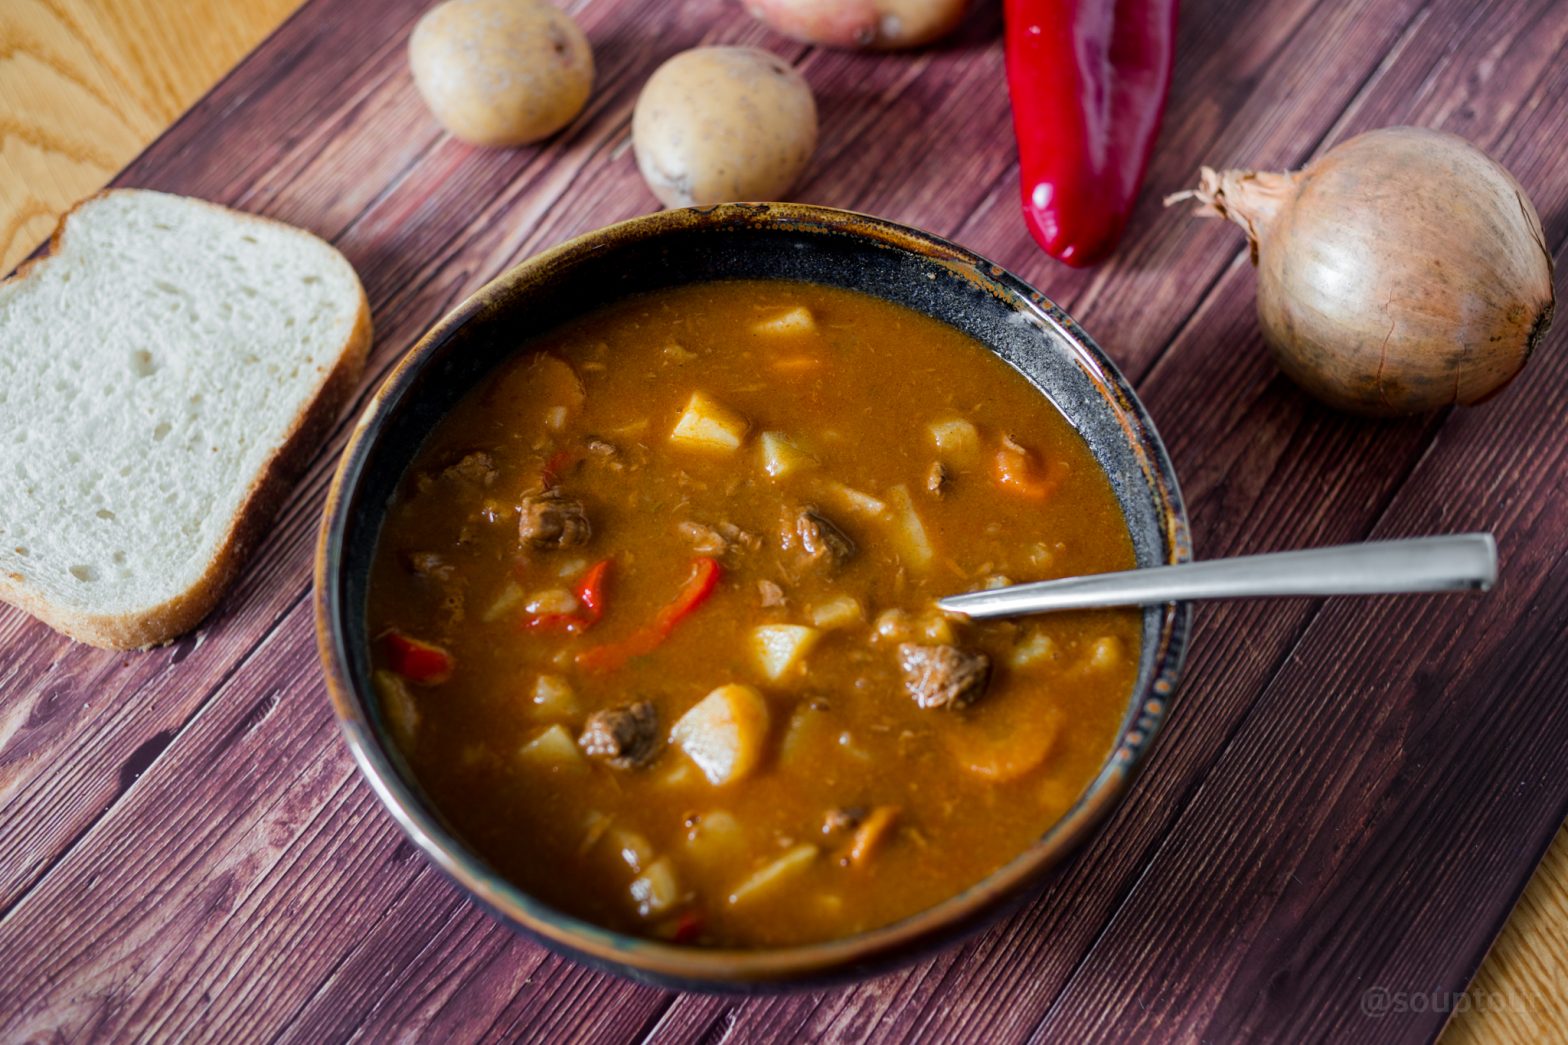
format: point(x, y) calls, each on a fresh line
point(86, 84)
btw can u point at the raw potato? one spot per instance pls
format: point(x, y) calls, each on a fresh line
point(723, 124)
point(724, 733)
point(501, 72)
point(882, 25)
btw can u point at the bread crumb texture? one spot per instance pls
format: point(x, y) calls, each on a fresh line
point(150, 369)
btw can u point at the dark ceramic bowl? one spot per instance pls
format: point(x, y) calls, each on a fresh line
point(784, 241)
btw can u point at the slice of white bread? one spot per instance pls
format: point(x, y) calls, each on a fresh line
point(164, 371)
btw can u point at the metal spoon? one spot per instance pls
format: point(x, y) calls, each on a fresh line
point(1459, 562)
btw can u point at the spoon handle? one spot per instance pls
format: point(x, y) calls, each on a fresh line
point(1459, 562)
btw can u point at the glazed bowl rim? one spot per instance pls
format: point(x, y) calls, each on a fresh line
point(766, 968)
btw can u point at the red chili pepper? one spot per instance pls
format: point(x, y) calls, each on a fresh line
point(417, 661)
point(704, 578)
point(1088, 80)
point(590, 594)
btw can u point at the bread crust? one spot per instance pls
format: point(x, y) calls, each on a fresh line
point(167, 621)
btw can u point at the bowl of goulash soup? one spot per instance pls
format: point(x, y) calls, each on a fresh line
point(626, 593)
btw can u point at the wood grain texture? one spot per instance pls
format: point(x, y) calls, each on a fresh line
point(188, 846)
point(86, 84)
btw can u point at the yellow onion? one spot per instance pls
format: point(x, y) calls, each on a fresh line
point(1402, 271)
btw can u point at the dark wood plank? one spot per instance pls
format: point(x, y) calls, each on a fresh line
point(282, 898)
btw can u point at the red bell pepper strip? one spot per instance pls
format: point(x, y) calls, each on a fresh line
point(704, 578)
point(705, 574)
point(419, 662)
point(590, 595)
point(1088, 80)
point(590, 590)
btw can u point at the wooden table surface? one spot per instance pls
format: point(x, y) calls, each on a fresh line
point(188, 847)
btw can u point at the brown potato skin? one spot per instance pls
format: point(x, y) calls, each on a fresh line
point(878, 25)
point(501, 72)
point(723, 125)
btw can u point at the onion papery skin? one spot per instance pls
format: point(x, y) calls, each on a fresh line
point(1402, 272)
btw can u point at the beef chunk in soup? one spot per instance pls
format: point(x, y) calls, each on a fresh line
point(819, 539)
point(943, 676)
point(550, 519)
point(625, 737)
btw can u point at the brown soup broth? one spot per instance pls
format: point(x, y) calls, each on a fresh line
point(863, 806)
